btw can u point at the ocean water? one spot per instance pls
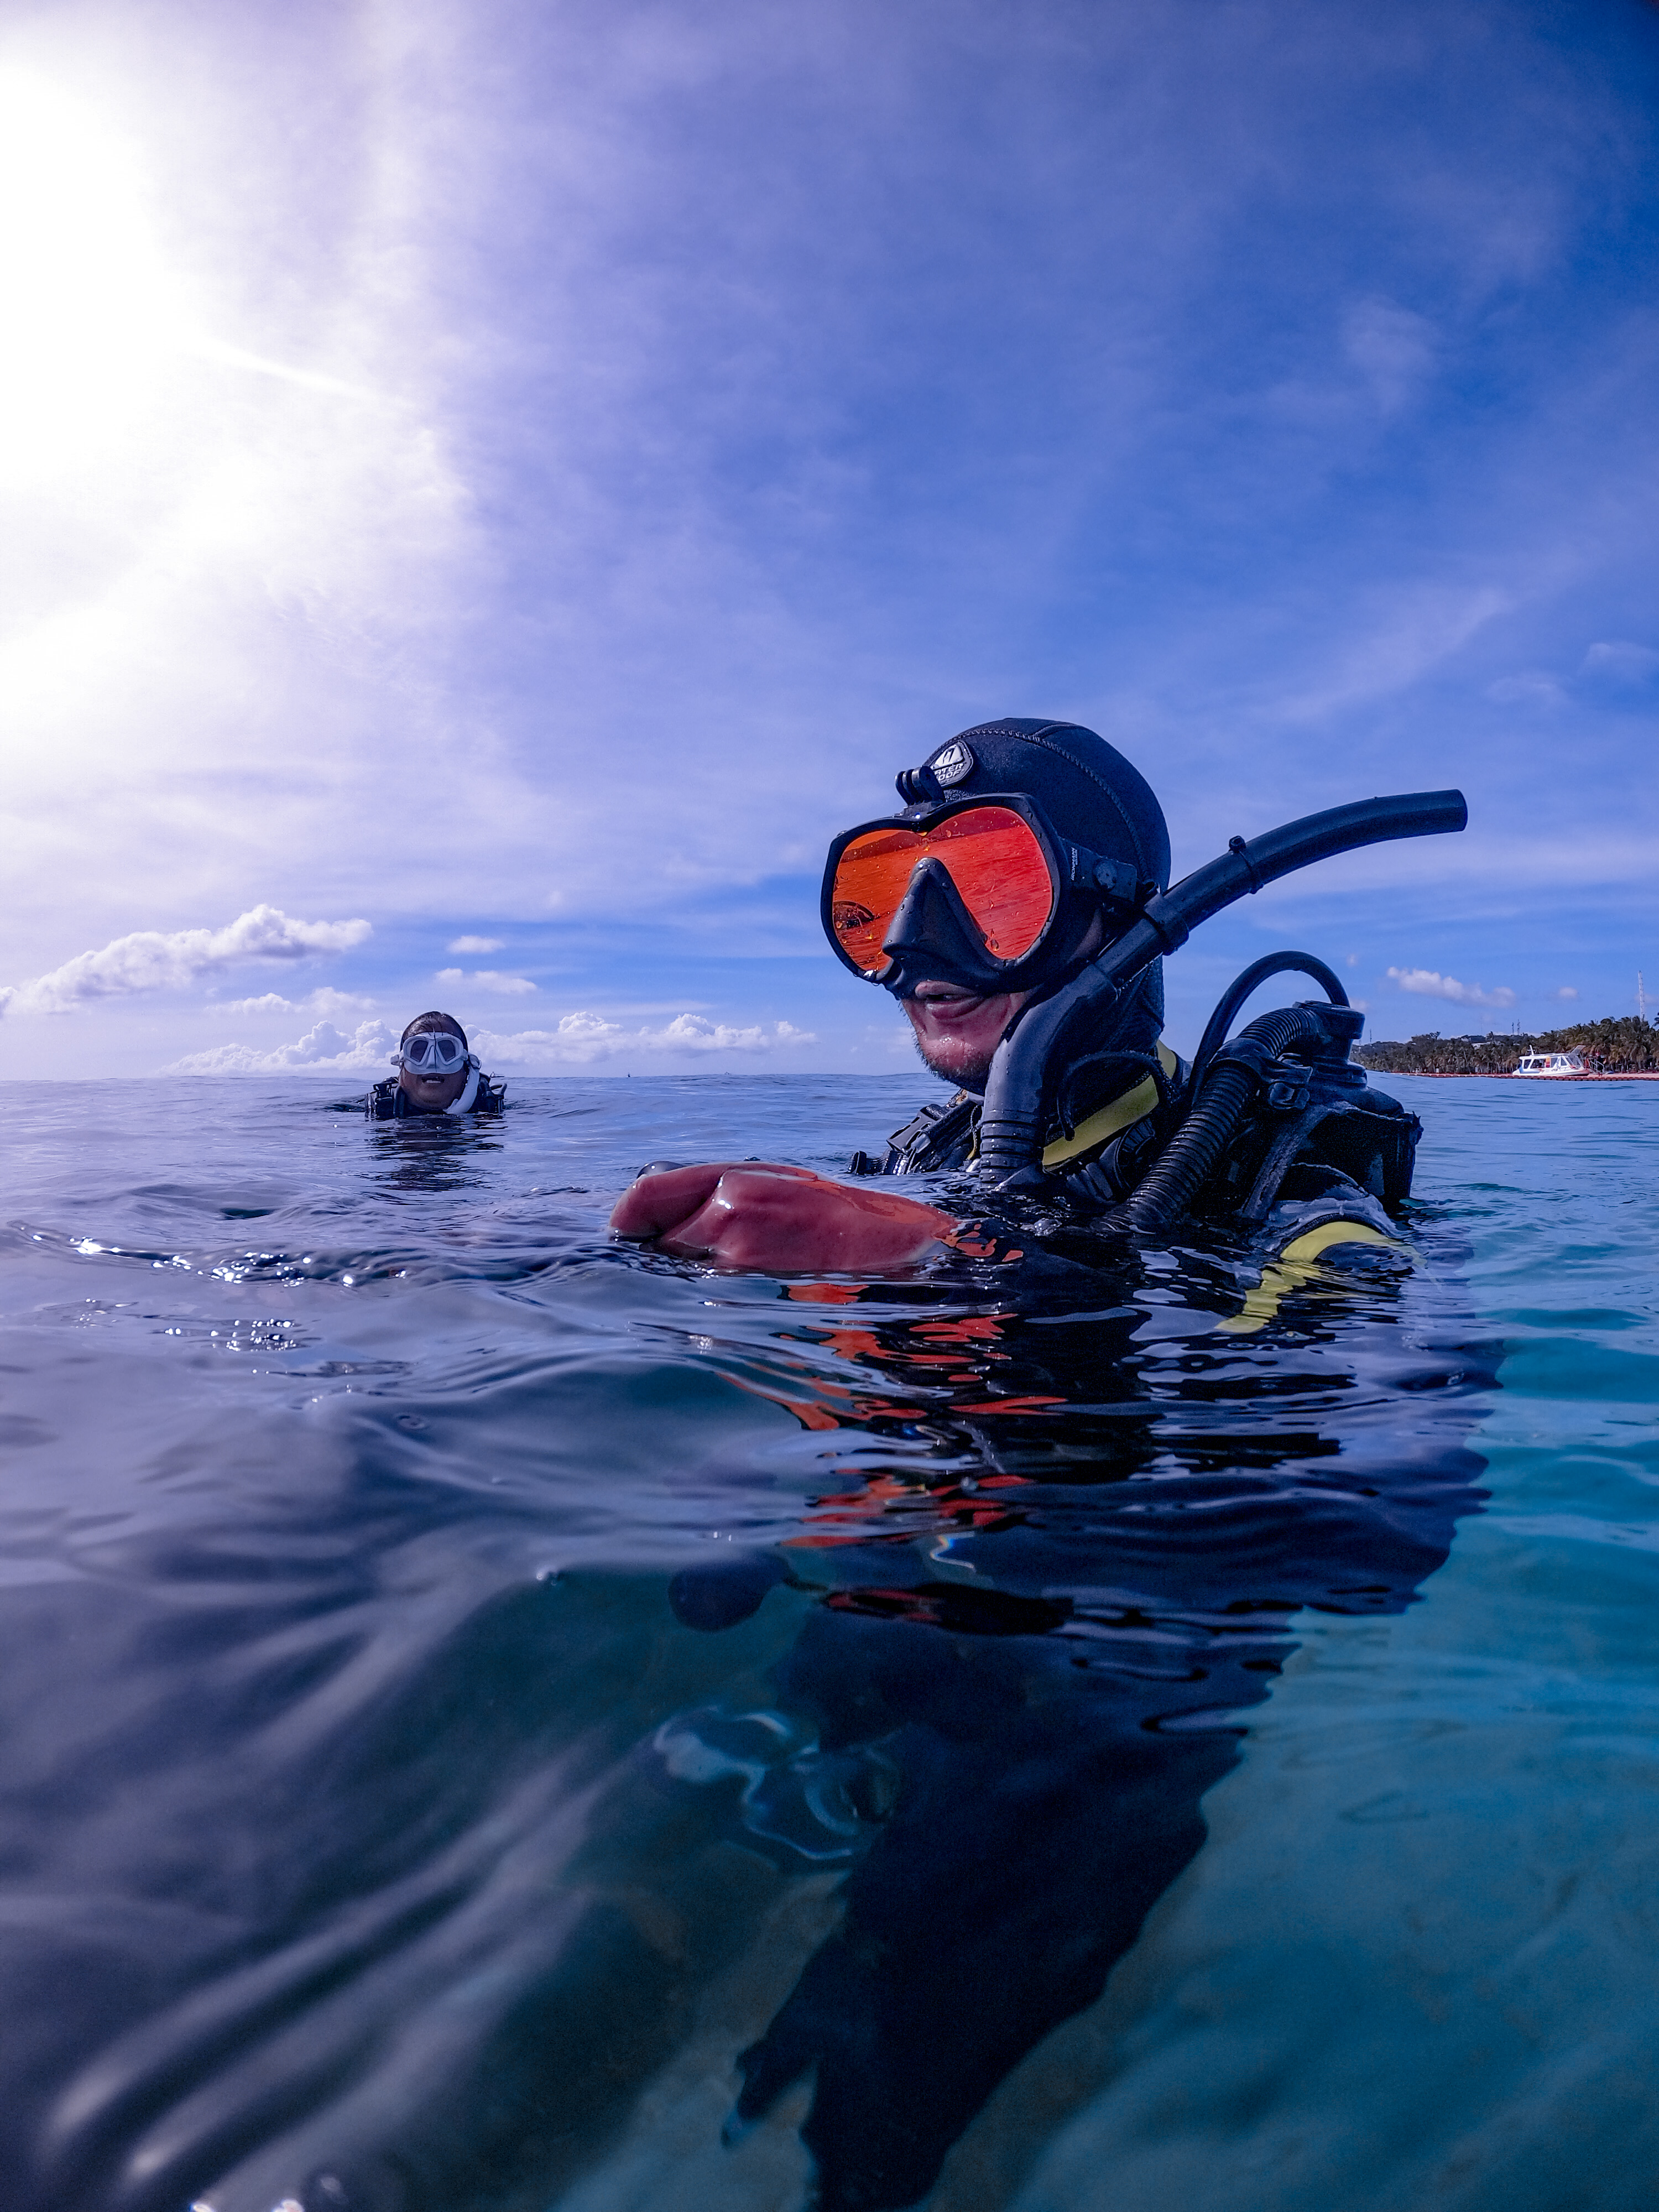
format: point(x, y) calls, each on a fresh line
point(495, 1720)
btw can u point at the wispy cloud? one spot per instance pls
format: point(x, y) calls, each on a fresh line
point(1413, 631)
point(580, 1039)
point(322, 1000)
point(1528, 687)
point(156, 960)
point(484, 979)
point(602, 514)
point(1428, 983)
point(1620, 660)
point(1393, 347)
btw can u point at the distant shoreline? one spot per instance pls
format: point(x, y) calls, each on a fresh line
point(1616, 1049)
point(1511, 1075)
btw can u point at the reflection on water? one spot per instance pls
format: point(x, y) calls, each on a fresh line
point(1062, 1555)
point(484, 1707)
point(433, 1155)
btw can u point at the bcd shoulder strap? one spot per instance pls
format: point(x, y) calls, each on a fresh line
point(941, 1136)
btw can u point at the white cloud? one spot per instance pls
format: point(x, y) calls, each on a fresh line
point(484, 979)
point(1429, 983)
point(582, 1038)
point(324, 1000)
point(1567, 991)
point(475, 944)
point(323, 1050)
point(157, 960)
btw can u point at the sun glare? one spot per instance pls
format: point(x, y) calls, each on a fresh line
point(92, 312)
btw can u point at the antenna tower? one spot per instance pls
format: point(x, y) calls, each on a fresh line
point(1640, 999)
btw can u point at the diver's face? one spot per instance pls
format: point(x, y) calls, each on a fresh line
point(431, 1093)
point(957, 1032)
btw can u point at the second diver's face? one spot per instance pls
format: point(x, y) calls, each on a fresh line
point(957, 1031)
point(431, 1093)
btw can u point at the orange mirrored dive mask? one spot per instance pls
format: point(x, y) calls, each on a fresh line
point(977, 892)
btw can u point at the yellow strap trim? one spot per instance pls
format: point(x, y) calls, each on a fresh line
point(1319, 1240)
point(1120, 1112)
point(1293, 1267)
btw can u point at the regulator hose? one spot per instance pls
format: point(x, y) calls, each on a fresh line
point(1190, 1156)
point(1046, 1031)
point(1259, 972)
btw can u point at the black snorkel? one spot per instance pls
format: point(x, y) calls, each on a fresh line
point(1045, 1034)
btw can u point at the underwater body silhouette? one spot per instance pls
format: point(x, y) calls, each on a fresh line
point(1120, 1566)
point(512, 1672)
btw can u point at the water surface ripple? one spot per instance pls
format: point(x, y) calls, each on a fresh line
point(495, 1720)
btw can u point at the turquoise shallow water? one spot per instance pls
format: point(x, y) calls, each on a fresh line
point(1415, 1964)
point(475, 1696)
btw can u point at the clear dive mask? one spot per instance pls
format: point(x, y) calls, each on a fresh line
point(434, 1052)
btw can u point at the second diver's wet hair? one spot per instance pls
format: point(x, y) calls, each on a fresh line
point(434, 1021)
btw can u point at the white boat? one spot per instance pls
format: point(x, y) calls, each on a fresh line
point(1551, 1063)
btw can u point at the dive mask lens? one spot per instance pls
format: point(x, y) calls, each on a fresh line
point(995, 857)
point(434, 1052)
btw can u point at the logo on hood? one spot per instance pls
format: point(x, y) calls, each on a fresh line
point(953, 763)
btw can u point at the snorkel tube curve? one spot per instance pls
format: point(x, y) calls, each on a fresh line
point(469, 1092)
point(1011, 1126)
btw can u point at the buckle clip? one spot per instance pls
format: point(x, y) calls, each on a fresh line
point(1283, 1081)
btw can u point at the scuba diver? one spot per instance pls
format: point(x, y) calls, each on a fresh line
point(437, 1072)
point(1019, 909)
point(1078, 1558)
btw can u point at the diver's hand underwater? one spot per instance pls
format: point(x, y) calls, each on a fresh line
point(778, 1219)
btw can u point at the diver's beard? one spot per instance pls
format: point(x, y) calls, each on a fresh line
point(966, 1075)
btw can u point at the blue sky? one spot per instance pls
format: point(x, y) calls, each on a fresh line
point(521, 476)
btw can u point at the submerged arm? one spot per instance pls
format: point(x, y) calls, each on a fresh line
point(779, 1219)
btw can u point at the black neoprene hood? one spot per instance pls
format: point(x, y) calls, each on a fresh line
point(1085, 787)
point(1103, 838)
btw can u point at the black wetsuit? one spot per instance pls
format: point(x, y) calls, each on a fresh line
point(389, 1101)
point(1111, 1111)
point(1315, 1131)
point(1127, 1543)
point(1050, 1713)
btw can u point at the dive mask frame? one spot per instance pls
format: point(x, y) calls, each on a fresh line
point(434, 1061)
point(932, 933)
